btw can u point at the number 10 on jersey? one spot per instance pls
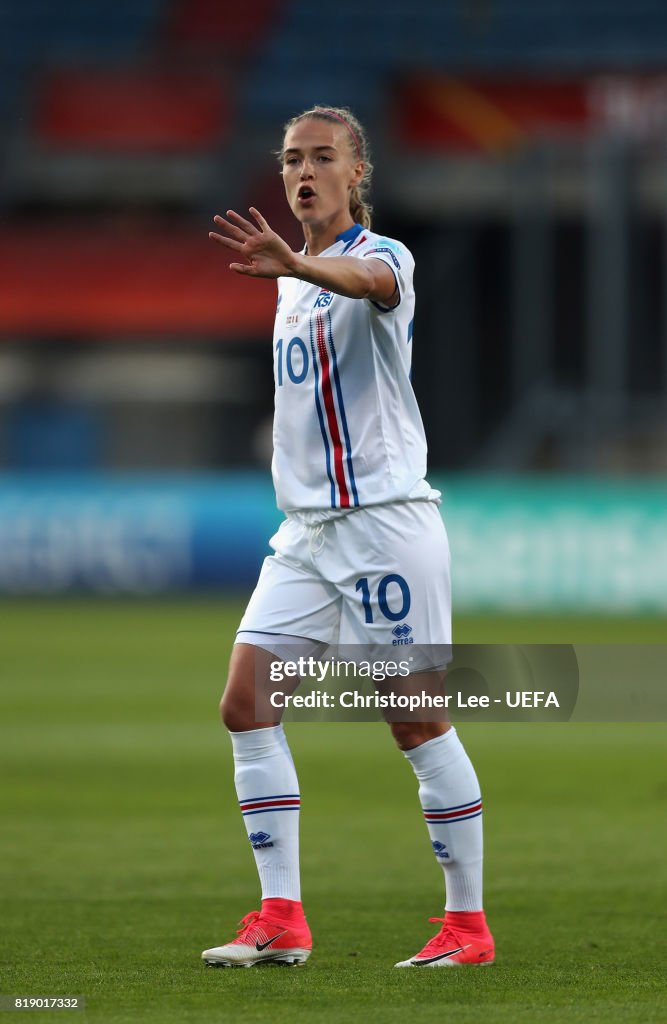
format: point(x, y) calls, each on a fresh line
point(295, 361)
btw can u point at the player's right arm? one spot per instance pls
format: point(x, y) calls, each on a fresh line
point(268, 255)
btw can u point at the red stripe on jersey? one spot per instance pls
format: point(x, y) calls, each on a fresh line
point(327, 394)
point(362, 239)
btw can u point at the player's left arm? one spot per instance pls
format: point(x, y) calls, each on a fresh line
point(268, 255)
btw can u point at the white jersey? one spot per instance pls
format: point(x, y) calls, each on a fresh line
point(347, 431)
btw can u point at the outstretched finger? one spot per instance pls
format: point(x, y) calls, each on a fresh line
point(231, 243)
point(243, 268)
point(263, 223)
point(231, 229)
point(241, 222)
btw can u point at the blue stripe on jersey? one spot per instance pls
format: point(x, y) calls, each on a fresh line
point(320, 416)
point(343, 417)
point(349, 236)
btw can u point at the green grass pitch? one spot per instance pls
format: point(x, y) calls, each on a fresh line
point(122, 853)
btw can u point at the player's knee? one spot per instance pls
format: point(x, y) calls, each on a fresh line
point(235, 715)
point(404, 734)
point(237, 706)
point(412, 734)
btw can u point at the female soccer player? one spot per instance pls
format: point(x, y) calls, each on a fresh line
point(362, 553)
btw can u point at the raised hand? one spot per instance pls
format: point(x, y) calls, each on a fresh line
point(267, 254)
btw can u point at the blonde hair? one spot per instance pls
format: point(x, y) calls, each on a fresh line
point(360, 209)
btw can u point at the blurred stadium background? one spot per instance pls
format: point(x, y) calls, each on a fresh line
point(520, 151)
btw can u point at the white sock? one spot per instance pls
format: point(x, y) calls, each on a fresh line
point(450, 798)
point(268, 792)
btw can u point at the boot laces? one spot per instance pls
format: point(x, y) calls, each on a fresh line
point(445, 937)
point(247, 923)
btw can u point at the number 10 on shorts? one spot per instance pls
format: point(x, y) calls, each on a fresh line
point(384, 595)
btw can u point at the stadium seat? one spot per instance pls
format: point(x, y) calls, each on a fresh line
point(218, 28)
point(132, 111)
point(96, 281)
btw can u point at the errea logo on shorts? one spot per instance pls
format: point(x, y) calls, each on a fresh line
point(323, 300)
point(402, 634)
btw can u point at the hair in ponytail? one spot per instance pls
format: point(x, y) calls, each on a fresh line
point(360, 208)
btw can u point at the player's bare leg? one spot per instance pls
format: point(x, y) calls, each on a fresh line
point(239, 705)
point(268, 793)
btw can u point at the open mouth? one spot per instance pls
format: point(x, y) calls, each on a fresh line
point(305, 193)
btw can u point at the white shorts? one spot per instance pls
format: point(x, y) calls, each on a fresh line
point(377, 576)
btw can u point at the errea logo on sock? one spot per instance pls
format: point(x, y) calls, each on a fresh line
point(258, 840)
